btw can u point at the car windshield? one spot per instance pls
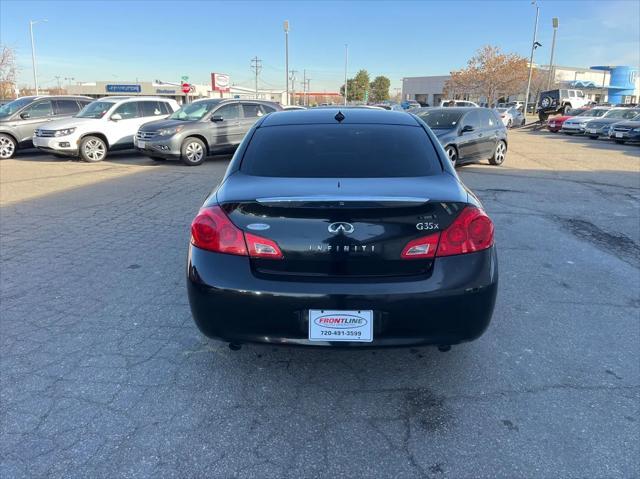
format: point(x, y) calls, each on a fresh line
point(440, 118)
point(194, 111)
point(340, 151)
point(624, 114)
point(96, 109)
point(10, 108)
point(594, 113)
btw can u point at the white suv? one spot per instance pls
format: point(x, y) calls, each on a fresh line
point(106, 124)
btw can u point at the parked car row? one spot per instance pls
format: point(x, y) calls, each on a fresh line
point(620, 124)
point(162, 130)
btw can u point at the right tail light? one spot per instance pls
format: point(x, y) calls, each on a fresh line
point(471, 231)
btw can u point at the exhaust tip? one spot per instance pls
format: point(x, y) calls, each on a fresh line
point(235, 346)
point(443, 348)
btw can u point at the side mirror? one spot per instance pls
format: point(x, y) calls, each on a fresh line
point(116, 117)
point(217, 118)
point(25, 115)
point(467, 129)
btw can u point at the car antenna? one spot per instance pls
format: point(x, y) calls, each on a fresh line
point(339, 117)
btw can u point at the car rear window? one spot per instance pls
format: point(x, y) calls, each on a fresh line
point(340, 151)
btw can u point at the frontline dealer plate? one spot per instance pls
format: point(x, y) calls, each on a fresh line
point(332, 325)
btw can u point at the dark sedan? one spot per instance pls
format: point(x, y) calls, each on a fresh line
point(342, 228)
point(626, 130)
point(468, 134)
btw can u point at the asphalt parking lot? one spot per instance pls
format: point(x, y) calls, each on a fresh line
point(104, 374)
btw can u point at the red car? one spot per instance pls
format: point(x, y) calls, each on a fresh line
point(555, 124)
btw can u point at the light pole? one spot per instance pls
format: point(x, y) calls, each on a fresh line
point(555, 23)
point(533, 48)
point(346, 59)
point(286, 56)
point(33, 51)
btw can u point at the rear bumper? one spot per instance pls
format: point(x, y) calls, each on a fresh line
point(453, 305)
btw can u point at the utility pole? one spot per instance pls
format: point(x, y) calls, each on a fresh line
point(304, 87)
point(33, 52)
point(292, 77)
point(57, 77)
point(555, 22)
point(533, 48)
point(346, 58)
point(308, 89)
point(256, 66)
point(286, 56)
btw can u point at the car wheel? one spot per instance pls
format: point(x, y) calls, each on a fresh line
point(509, 123)
point(565, 109)
point(7, 146)
point(93, 149)
point(499, 154)
point(193, 152)
point(452, 154)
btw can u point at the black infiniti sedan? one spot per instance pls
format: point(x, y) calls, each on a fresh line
point(342, 228)
point(468, 135)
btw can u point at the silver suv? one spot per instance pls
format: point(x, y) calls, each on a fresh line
point(201, 128)
point(19, 118)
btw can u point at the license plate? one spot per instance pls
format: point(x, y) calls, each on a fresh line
point(332, 325)
point(141, 144)
point(618, 135)
point(593, 131)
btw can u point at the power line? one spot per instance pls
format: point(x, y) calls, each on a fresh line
point(256, 66)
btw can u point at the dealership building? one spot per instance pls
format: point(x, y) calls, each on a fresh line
point(99, 89)
point(613, 84)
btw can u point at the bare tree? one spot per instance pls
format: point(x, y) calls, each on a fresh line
point(8, 72)
point(490, 73)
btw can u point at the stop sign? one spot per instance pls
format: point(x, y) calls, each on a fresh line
point(186, 88)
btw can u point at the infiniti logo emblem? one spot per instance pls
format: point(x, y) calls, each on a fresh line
point(341, 227)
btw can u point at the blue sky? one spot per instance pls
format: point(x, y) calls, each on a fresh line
point(124, 40)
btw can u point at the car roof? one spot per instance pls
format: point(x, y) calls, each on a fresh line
point(462, 109)
point(327, 116)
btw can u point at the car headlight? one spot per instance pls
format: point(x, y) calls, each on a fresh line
point(65, 132)
point(636, 130)
point(170, 131)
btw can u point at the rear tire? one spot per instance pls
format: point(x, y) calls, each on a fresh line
point(565, 109)
point(193, 152)
point(499, 154)
point(93, 149)
point(509, 123)
point(8, 146)
point(452, 154)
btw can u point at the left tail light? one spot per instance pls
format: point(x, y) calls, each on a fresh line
point(212, 230)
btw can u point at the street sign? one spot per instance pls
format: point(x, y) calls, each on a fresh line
point(184, 78)
point(186, 88)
